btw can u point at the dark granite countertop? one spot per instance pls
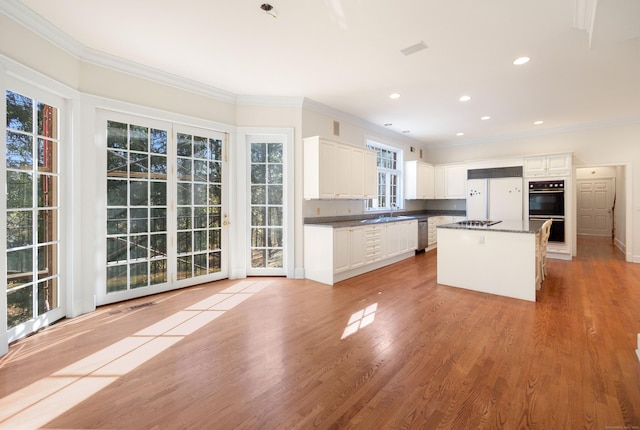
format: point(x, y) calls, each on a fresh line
point(529, 227)
point(368, 219)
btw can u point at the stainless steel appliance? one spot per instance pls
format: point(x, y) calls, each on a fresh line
point(546, 201)
point(423, 233)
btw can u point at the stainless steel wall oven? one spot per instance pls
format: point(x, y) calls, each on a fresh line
point(546, 201)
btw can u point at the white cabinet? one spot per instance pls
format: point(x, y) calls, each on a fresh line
point(419, 180)
point(334, 170)
point(341, 249)
point(342, 171)
point(456, 181)
point(357, 247)
point(375, 238)
point(450, 181)
point(335, 254)
point(370, 174)
point(434, 222)
point(348, 248)
point(356, 173)
point(439, 186)
point(393, 239)
point(548, 165)
point(401, 237)
point(411, 233)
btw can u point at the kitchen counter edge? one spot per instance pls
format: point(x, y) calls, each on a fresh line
point(527, 227)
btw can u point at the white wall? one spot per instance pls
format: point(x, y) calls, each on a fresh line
point(613, 145)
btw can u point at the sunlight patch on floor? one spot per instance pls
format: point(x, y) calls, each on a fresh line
point(48, 398)
point(359, 320)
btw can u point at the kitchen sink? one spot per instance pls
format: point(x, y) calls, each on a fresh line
point(385, 219)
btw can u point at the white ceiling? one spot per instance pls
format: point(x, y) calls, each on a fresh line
point(346, 54)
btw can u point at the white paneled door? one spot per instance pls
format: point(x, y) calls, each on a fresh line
point(596, 199)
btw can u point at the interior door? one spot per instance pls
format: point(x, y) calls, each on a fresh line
point(595, 206)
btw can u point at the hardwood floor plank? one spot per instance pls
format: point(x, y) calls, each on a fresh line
point(431, 356)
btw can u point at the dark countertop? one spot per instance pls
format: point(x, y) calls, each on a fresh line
point(528, 227)
point(368, 219)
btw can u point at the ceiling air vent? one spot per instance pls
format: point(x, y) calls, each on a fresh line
point(414, 48)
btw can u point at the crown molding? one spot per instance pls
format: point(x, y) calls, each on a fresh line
point(17, 11)
point(139, 70)
point(270, 101)
point(318, 107)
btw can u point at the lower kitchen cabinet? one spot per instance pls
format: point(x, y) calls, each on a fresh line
point(433, 222)
point(335, 254)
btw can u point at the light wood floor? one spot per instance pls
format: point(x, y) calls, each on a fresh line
point(431, 356)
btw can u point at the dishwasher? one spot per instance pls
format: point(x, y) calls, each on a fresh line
point(423, 233)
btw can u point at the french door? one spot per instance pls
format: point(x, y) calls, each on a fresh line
point(166, 206)
point(269, 204)
point(31, 204)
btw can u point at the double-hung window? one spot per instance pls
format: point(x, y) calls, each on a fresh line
point(389, 163)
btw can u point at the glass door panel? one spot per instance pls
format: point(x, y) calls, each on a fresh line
point(164, 212)
point(32, 208)
point(136, 206)
point(267, 209)
point(199, 186)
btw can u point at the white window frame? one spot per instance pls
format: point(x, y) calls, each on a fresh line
point(398, 171)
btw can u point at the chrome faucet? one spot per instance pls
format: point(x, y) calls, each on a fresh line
point(393, 208)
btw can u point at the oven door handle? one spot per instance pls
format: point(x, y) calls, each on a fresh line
point(544, 218)
point(559, 190)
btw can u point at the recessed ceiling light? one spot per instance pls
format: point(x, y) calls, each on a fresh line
point(394, 96)
point(388, 124)
point(465, 98)
point(460, 134)
point(538, 122)
point(486, 117)
point(520, 61)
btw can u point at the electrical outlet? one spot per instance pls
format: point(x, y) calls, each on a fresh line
point(317, 211)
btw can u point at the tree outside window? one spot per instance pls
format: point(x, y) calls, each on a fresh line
point(389, 162)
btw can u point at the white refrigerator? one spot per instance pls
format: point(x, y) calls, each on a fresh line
point(496, 199)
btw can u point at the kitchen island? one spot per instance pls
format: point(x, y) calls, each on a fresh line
point(497, 259)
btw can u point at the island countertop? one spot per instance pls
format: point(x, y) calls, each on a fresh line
point(526, 226)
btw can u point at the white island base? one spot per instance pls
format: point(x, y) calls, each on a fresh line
point(497, 260)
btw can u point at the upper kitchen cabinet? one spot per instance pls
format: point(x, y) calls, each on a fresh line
point(450, 181)
point(548, 165)
point(334, 170)
point(370, 174)
point(419, 180)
